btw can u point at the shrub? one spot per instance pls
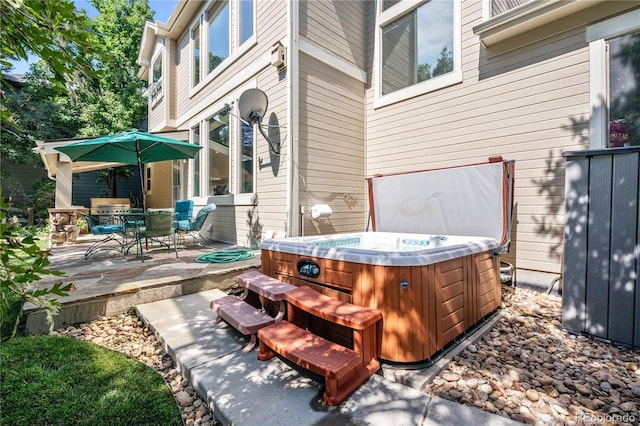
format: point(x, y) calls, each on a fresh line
point(22, 264)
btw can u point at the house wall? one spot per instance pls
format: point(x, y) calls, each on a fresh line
point(527, 100)
point(236, 219)
point(158, 117)
point(332, 115)
point(337, 26)
point(161, 194)
point(331, 148)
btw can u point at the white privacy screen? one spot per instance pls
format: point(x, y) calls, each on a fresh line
point(465, 200)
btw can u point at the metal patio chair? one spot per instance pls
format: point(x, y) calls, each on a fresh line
point(194, 226)
point(158, 224)
point(104, 228)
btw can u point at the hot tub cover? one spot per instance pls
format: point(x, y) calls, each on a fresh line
point(471, 200)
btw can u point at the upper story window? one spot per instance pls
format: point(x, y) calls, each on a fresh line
point(195, 37)
point(155, 88)
point(219, 32)
point(418, 48)
point(246, 20)
point(157, 69)
point(226, 29)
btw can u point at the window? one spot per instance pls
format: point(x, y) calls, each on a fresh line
point(148, 176)
point(624, 90)
point(246, 20)
point(155, 89)
point(218, 144)
point(614, 81)
point(180, 171)
point(218, 34)
point(195, 37)
point(227, 28)
point(157, 69)
point(418, 47)
point(246, 178)
point(195, 139)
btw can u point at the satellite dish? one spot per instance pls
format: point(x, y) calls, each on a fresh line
point(252, 105)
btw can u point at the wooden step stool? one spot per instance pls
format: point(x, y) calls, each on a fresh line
point(244, 317)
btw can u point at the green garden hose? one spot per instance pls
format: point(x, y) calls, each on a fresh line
point(225, 256)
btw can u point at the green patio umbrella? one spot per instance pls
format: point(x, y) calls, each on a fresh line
point(132, 147)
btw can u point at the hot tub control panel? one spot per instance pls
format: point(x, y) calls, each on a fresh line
point(308, 268)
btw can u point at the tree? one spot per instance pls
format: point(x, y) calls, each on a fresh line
point(114, 102)
point(52, 30)
point(445, 63)
point(41, 112)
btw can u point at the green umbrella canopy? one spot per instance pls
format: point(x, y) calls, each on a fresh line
point(132, 147)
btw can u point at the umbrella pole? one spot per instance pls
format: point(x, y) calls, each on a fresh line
point(144, 193)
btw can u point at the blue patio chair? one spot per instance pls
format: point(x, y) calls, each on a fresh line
point(193, 226)
point(108, 230)
point(183, 212)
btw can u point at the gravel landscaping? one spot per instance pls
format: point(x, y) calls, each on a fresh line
point(526, 368)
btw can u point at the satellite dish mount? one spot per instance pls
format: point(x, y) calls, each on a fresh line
point(252, 106)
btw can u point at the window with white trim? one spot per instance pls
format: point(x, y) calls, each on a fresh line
point(226, 167)
point(219, 153)
point(195, 62)
point(418, 47)
point(614, 61)
point(197, 160)
point(247, 21)
point(246, 178)
point(623, 60)
point(223, 31)
point(219, 34)
point(155, 88)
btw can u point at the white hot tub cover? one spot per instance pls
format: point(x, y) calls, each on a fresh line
point(472, 200)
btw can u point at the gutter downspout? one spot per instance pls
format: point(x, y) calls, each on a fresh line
point(293, 14)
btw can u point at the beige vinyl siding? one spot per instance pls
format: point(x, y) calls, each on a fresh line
point(502, 6)
point(157, 115)
point(271, 28)
point(183, 75)
point(241, 224)
point(529, 104)
point(331, 154)
point(161, 195)
point(173, 82)
point(337, 26)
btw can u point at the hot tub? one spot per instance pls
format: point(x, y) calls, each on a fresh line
point(430, 285)
point(429, 288)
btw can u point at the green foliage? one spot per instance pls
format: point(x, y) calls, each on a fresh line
point(44, 197)
point(54, 31)
point(115, 102)
point(22, 264)
point(64, 381)
point(41, 112)
point(445, 63)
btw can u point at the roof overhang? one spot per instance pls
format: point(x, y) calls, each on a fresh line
point(528, 16)
point(178, 22)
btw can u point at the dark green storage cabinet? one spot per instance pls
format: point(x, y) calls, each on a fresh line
point(600, 286)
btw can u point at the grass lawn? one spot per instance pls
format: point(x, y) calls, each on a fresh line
point(49, 380)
